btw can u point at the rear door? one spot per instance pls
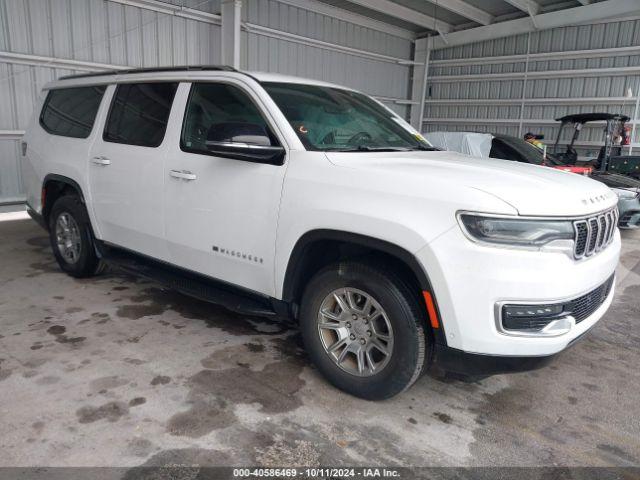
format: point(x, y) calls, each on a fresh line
point(222, 213)
point(126, 174)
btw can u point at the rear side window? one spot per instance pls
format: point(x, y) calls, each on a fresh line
point(70, 112)
point(139, 113)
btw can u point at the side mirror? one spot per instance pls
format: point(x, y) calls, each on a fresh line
point(243, 141)
point(272, 155)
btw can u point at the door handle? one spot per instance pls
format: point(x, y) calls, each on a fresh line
point(183, 174)
point(101, 161)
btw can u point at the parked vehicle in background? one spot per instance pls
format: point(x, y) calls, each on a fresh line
point(628, 191)
point(506, 147)
point(275, 195)
point(610, 156)
point(501, 146)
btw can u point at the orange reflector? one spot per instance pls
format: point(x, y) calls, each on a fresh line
point(431, 309)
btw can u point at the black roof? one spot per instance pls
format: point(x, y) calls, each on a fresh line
point(181, 68)
point(591, 117)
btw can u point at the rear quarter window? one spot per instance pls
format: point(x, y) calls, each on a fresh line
point(71, 112)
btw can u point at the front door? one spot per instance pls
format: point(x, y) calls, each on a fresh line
point(126, 168)
point(221, 214)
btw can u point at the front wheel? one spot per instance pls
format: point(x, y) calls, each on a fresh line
point(364, 330)
point(72, 239)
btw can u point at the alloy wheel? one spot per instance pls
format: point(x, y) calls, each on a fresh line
point(68, 238)
point(355, 331)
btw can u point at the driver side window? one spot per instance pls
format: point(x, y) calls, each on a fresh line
point(218, 114)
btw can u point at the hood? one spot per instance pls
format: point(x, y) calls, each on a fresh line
point(532, 190)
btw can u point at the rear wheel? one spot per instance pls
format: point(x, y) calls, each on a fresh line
point(363, 328)
point(72, 238)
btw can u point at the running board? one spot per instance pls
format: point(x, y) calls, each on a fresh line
point(189, 283)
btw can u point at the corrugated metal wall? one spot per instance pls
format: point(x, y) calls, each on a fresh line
point(41, 40)
point(380, 76)
point(577, 69)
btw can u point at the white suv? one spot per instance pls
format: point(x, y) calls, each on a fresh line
point(275, 195)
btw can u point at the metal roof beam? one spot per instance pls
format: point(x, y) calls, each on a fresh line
point(351, 17)
point(533, 57)
point(527, 6)
point(53, 62)
point(571, 73)
point(594, 12)
point(529, 101)
point(170, 9)
point(406, 14)
point(312, 42)
point(465, 10)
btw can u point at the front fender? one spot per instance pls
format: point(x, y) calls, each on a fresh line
point(392, 237)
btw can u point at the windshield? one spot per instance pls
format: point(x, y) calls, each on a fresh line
point(333, 119)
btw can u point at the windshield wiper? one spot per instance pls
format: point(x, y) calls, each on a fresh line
point(426, 148)
point(364, 148)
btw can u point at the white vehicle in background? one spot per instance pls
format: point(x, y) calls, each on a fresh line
point(275, 195)
point(507, 147)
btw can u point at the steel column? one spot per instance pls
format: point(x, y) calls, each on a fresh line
point(419, 82)
point(635, 119)
point(231, 11)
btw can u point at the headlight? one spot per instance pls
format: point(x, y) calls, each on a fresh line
point(514, 231)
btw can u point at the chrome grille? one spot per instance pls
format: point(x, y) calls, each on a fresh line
point(582, 232)
point(594, 233)
point(592, 225)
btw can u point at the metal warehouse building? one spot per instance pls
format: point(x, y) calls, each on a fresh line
point(502, 66)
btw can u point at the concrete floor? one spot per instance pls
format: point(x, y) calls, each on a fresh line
point(115, 371)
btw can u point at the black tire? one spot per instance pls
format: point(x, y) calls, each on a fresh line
point(87, 264)
point(409, 353)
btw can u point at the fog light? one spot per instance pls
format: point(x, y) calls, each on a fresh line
point(531, 310)
point(530, 317)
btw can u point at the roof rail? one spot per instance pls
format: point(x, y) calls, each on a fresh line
point(182, 68)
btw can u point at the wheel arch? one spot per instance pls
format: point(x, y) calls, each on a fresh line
point(317, 248)
point(314, 238)
point(53, 187)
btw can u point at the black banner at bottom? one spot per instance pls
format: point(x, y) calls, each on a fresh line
point(194, 472)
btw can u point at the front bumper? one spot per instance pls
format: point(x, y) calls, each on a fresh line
point(452, 360)
point(449, 359)
point(469, 280)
